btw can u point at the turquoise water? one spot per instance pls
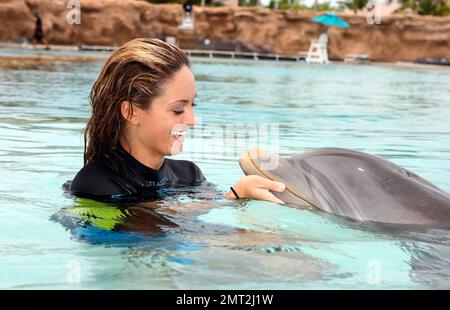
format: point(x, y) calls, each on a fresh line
point(198, 240)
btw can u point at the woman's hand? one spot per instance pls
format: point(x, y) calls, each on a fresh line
point(256, 187)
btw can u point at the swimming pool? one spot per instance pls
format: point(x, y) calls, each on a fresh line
point(192, 240)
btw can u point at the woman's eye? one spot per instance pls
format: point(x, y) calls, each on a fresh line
point(178, 112)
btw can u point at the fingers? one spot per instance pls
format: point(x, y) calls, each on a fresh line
point(257, 187)
point(272, 185)
point(266, 195)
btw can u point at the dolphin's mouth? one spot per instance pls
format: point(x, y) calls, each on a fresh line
point(249, 164)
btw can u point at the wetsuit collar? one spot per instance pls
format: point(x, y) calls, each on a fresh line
point(140, 168)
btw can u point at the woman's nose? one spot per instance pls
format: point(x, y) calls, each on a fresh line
point(190, 118)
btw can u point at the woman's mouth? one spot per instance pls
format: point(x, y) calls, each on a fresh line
point(179, 135)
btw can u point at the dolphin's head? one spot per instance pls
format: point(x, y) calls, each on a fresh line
point(352, 184)
point(261, 162)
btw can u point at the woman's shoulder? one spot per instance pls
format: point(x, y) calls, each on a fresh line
point(96, 179)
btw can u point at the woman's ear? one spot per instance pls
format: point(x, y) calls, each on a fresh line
point(129, 112)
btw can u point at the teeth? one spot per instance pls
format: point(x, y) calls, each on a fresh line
point(178, 133)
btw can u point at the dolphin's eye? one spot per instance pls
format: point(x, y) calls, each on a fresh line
point(410, 174)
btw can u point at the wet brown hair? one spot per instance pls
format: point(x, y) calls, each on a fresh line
point(137, 72)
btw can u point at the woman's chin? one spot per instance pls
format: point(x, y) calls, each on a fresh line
point(176, 148)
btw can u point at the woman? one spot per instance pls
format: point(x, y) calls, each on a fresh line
point(142, 105)
point(39, 32)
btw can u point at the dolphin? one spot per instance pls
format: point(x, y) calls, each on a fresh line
point(352, 184)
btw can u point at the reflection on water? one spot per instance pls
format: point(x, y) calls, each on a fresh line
point(194, 238)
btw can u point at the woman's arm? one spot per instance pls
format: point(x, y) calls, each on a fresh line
point(256, 187)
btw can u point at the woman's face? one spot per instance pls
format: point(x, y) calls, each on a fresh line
point(163, 126)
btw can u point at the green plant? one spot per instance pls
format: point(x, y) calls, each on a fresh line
point(165, 1)
point(354, 5)
point(296, 5)
point(248, 2)
point(324, 6)
point(194, 2)
point(425, 7)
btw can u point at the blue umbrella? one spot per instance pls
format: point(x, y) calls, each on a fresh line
point(330, 19)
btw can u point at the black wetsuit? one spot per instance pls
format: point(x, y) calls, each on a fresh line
point(38, 31)
point(121, 178)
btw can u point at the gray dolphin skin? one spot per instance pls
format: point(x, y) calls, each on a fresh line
point(352, 184)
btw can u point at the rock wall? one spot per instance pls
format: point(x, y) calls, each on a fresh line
point(113, 22)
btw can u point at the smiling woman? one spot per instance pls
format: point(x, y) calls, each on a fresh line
point(142, 106)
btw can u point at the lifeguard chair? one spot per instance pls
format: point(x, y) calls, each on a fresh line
point(317, 52)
